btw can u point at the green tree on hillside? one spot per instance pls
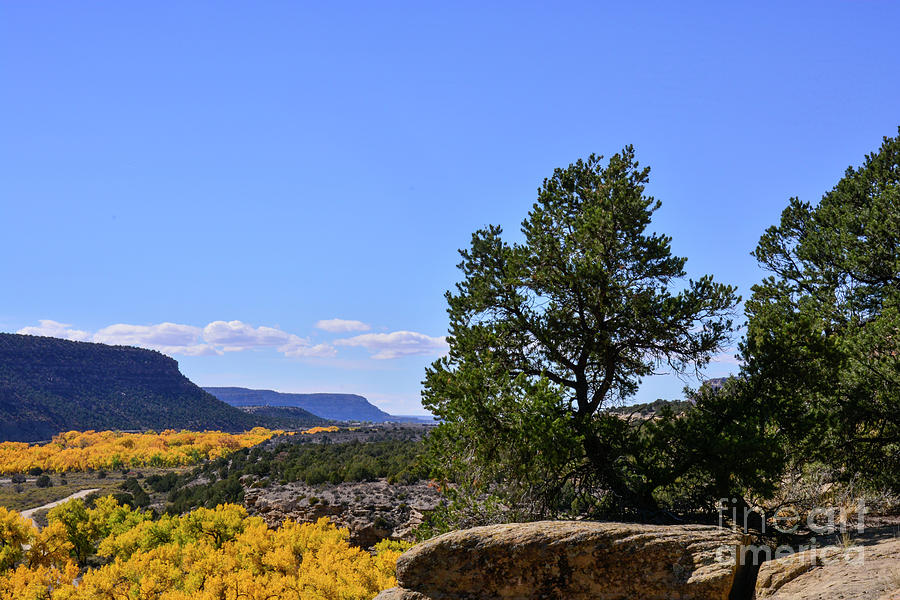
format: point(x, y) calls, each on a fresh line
point(548, 332)
point(822, 351)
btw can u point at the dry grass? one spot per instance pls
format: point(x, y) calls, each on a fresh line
point(815, 488)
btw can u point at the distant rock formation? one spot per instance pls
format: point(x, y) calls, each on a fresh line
point(573, 560)
point(336, 407)
point(716, 383)
point(49, 385)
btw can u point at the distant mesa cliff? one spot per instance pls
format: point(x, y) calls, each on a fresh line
point(338, 407)
point(49, 385)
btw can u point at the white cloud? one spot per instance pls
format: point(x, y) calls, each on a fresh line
point(302, 348)
point(396, 344)
point(168, 338)
point(163, 334)
point(237, 335)
point(50, 328)
point(342, 325)
point(191, 350)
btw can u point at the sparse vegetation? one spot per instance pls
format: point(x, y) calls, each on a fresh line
point(395, 456)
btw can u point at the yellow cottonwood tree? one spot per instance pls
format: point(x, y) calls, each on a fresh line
point(80, 450)
point(208, 554)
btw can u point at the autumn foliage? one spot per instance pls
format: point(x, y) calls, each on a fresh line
point(206, 554)
point(320, 429)
point(75, 451)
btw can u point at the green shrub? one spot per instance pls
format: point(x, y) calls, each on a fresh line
point(140, 498)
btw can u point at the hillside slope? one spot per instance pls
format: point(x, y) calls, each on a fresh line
point(48, 385)
point(339, 407)
point(284, 417)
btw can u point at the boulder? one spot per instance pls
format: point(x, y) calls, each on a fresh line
point(870, 570)
point(572, 560)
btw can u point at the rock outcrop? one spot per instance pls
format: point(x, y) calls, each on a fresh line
point(869, 570)
point(372, 511)
point(572, 560)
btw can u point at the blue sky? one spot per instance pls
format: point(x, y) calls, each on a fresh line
point(223, 180)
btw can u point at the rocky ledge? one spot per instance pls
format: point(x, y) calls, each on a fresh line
point(572, 560)
point(372, 511)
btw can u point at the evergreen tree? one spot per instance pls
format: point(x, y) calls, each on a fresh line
point(822, 351)
point(548, 332)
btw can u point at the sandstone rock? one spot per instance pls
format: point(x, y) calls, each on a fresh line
point(572, 560)
point(863, 571)
point(773, 574)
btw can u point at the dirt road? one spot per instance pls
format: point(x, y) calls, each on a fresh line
point(80, 494)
